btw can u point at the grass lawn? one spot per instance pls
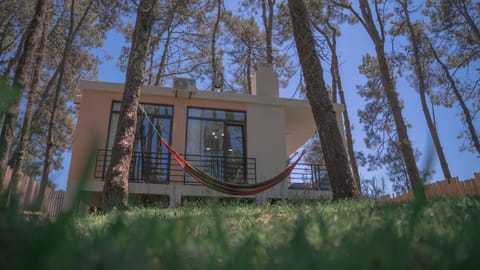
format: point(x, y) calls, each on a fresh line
point(443, 234)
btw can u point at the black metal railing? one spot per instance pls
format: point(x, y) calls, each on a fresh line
point(309, 176)
point(161, 168)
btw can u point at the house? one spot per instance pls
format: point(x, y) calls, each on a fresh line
point(239, 138)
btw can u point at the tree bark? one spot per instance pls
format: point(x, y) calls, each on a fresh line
point(248, 72)
point(31, 38)
point(214, 44)
point(267, 18)
point(115, 189)
point(33, 35)
point(422, 89)
point(72, 32)
point(19, 156)
point(337, 87)
point(14, 60)
point(341, 181)
point(163, 59)
point(405, 146)
point(348, 126)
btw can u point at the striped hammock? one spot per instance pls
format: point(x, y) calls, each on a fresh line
point(225, 187)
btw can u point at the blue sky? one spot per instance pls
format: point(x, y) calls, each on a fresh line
point(351, 46)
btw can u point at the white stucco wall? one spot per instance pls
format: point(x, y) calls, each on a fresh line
point(266, 140)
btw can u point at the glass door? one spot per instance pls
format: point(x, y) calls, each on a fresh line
point(215, 143)
point(234, 164)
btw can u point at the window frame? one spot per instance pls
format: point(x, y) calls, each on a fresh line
point(140, 113)
point(226, 122)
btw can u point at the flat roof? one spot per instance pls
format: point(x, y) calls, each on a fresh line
point(166, 91)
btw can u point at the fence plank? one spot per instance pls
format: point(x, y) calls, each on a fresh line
point(455, 188)
point(476, 188)
point(477, 182)
point(437, 189)
point(428, 190)
point(29, 193)
point(55, 203)
point(28, 190)
point(469, 188)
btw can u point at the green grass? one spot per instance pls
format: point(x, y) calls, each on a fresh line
point(443, 234)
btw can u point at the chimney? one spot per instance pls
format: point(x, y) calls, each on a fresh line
point(265, 81)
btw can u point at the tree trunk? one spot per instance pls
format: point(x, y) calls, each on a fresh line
point(334, 81)
point(214, 44)
point(248, 71)
point(27, 120)
point(115, 189)
point(348, 126)
point(339, 88)
point(14, 60)
point(267, 18)
point(33, 36)
point(422, 88)
point(72, 32)
point(465, 110)
point(391, 94)
point(163, 59)
point(342, 183)
point(149, 69)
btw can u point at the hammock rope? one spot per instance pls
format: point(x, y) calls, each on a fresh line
point(219, 185)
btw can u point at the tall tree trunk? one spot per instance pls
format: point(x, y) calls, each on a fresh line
point(115, 189)
point(267, 17)
point(347, 124)
point(33, 36)
point(346, 118)
point(163, 59)
point(213, 49)
point(248, 71)
point(396, 109)
point(72, 32)
point(25, 132)
point(422, 88)
point(337, 87)
point(343, 185)
point(13, 61)
point(405, 145)
point(458, 95)
point(334, 82)
point(50, 84)
point(149, 69)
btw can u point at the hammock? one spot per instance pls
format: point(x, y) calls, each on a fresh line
point(216, 184)
point(225, 187)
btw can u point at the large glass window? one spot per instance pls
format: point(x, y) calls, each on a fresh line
point(216, 143)
point(150, 160)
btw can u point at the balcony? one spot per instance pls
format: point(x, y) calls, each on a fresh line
point(309, 176)
point(160, 168)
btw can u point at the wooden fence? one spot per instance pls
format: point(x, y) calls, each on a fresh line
point(28, 189)
point(455, 188)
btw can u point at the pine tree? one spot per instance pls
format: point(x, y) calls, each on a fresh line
point(342, 183)
point(115, 189)
point(374, 23)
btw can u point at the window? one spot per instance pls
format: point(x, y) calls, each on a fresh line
point(216, 143)
point(150, 160)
